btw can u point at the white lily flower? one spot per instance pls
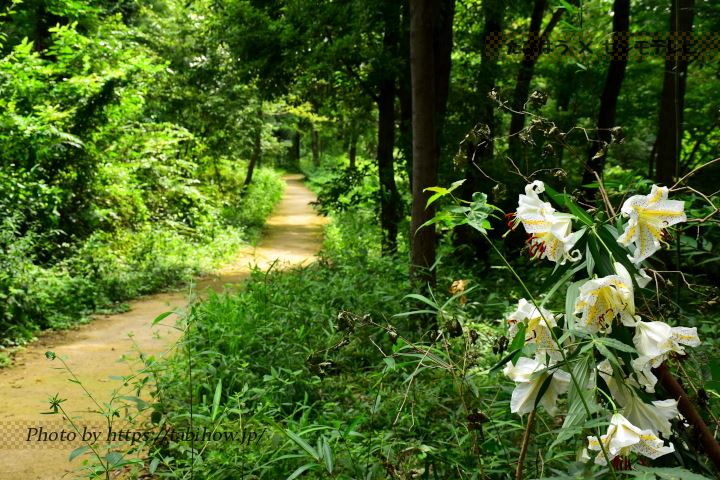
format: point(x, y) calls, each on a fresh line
point(538, 322)
point(603, 299)
point(658, 338)
point(648, 215)
point(556, 244)
point(623, 437)
point(617, 390)
point(533, 212)
point(642, 278)
point(642, 367)
point(529, 375)
point(551, 234)
point(654, 341)
point(655, 416)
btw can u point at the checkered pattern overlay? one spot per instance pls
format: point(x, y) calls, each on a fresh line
point(53, 433)
point(620, 46)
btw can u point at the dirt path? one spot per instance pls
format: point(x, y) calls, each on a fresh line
point(27, 448)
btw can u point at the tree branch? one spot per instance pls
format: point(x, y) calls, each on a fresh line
point(687, 409)
point(363, 84)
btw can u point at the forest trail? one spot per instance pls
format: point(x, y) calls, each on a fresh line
point(293, 235)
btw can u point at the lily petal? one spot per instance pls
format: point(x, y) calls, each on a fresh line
point(648, 215)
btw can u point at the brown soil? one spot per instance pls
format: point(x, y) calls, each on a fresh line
point(94, 352)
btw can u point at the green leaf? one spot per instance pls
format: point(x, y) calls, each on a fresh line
point(479, 211)
point(543, 388)
point(605, 352)
point(303, 444)
point(676, 473)
point(505, 359)
point(441, 192)
point(515, 348)
point(153, 465)
point(616, 344)
point(568, 6)
point(573, 292)
point(327, 455)
point(456, 184)
point(139, 402)
point(216, 401)
point(577, 413)
point(518, 340)
point(564, 200)
point(432, 199)
point(603, 265)
point(113, 458)
point(162, 317)
point(567, 275)
point(300, 470)
point(423, 299)
point(620, 253)
point(77, 452)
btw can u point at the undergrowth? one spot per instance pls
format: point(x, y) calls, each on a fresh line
point(321, 363)
point(344, 389)
point(109, 268)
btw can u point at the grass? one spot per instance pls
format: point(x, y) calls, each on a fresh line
point(325, 361)
point(345, 389)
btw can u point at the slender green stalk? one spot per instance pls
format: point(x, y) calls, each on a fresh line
point(562, 351)
point(106, 467)
point(524, 447)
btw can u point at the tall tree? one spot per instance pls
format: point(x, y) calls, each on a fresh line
point(256, 148)
point(315, 145)
point(425, 162)
point(609, 98)
point(389, 196)
point(666, 151)
point(442, 46)
point(532, 51)
point(480, 149)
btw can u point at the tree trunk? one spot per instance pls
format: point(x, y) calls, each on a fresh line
point(256, 151)
point(405, 92)
point(389, 196)
point(443, 43)
point(425, 162)
point(315, 146)
point(44, 21)
point(609, 97)
point(668, 143)
point(294, 152)
point(477, 155)
point(533, 50)
point(352, 154)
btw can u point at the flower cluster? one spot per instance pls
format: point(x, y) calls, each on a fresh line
point(597, 305)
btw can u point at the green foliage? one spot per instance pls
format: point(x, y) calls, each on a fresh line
point(116, 180)
point(345, 389)
point(341, 188)
point(341, 389)
point(114, 267)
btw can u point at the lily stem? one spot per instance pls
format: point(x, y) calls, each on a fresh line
point(524, 447)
